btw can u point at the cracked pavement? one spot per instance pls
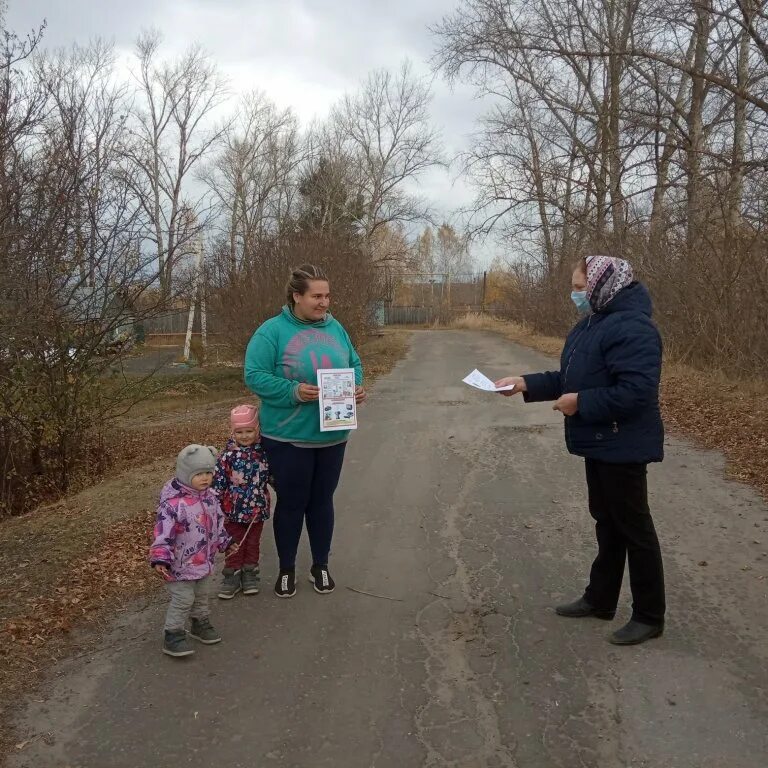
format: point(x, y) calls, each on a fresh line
point(464, 517)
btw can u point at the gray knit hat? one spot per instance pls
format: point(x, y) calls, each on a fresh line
point(193, 460)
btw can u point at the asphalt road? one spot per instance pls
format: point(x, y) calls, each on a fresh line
point(463, 516)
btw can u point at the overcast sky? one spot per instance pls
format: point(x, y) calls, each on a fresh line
point(301, 53)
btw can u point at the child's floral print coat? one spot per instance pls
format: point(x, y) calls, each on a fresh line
point(188, 532)
point(240, 479)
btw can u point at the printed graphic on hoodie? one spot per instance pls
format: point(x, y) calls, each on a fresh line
point(304, 355)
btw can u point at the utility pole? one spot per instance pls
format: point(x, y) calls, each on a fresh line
point(197, 291)
point(482, 302)
point(203, 313)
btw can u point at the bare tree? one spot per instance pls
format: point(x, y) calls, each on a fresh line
point(384, 130)
point(255, 176)
point(452, 252)
point(73, 278)
point(173, 132)
point(558, 116)
point(634, 125)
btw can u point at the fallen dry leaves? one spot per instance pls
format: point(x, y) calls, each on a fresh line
point(89, 582)
point(723, 415)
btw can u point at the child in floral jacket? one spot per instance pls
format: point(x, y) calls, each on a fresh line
point(188, 533)
point(240, 480)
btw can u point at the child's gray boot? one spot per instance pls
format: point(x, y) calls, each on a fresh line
point(250, 579)
point(175, 643)
point(203, 631)
point(231, 584)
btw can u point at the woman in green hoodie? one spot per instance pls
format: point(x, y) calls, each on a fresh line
point(281, 364)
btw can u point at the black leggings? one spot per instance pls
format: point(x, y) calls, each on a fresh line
point(618, 501)
point(305, 481)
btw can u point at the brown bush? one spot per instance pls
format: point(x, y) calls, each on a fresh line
point(709, 302)
point(258, 292)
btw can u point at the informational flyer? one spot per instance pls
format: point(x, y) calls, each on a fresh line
point(337, 399)
point(481, 381)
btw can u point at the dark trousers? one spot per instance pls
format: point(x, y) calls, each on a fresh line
point(305, 481)
point(618, 501)
point(248, 554)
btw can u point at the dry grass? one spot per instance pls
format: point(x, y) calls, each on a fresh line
point(516, 332)
point(69, 565)
point(717, 411)
point(381, 352)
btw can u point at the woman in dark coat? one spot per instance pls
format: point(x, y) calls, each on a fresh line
point(608, 390)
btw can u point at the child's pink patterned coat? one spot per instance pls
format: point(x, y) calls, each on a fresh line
point(188, 532)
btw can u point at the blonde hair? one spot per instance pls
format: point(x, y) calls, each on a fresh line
point(300, 279)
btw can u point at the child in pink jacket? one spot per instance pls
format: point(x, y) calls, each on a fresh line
point(188, 533)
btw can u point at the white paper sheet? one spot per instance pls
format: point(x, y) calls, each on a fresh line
point(481, 381)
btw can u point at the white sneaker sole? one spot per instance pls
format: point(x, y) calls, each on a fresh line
point(251, 591)
point(229, 595)
point(177, 654)
point(205, 642)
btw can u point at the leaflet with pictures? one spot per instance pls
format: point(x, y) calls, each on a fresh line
point(338, 410)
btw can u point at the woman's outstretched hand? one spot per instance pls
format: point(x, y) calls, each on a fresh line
point(568, 404)
point(360, 395)
point(518, 381)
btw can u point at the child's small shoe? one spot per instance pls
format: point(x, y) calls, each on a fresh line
point(231, 584)
point(250, 579)
point(176, 644)
point(203, 631)
point(285, 586)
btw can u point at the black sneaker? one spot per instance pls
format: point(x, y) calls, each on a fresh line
point(285, 586)
point(230, 585)
point(176, 644)
point(321, 579)
point(203, 631)
point(250, 579)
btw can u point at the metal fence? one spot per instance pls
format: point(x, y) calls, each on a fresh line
point(435, 315)
point(427, 299)
point(176, 322)
point(410, 315)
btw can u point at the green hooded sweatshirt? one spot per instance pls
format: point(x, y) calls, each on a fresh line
point(285, 352)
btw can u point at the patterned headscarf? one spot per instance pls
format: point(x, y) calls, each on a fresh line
point(606, 276)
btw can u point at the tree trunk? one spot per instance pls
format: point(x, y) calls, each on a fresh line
point(664, 161)
point(613, 123)
point(538, 178)
point(694, 120)
point(736, 186)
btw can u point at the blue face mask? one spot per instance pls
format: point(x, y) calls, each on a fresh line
point(579, 298)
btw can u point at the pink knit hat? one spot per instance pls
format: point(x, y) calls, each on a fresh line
point(244, 417)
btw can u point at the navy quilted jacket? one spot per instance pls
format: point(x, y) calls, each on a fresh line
point(612, 359)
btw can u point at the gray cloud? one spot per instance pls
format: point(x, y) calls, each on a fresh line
point(72, 21)
point(302, 53)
